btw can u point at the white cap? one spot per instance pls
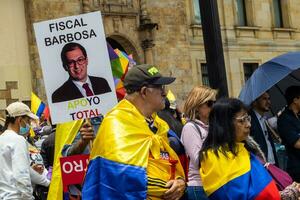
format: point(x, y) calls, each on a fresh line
point(20, 109)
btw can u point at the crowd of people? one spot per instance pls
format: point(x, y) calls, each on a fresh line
point(147, 148)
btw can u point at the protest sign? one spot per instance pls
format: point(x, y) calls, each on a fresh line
point(76, 67)
point(73, 169)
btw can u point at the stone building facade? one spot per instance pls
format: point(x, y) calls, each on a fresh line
point(166, 33)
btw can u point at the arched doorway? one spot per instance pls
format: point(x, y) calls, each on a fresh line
point(123, 44)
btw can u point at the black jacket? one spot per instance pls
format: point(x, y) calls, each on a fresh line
point(47, 150)
point(68, 91)
point(257, 133)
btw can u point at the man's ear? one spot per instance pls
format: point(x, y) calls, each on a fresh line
point(143, 91)
point(87, 61)
point(295, 99)
point(18, 120)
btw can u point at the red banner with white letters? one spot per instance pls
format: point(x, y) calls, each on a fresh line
point(73, 169)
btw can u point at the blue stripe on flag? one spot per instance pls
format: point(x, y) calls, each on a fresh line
point(41, 109)
point(247, 186)
point(106, 179)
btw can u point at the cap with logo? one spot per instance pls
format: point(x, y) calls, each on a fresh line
point(19, 109)
point(145, 74)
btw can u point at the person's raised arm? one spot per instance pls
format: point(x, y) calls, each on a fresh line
point(86, 136)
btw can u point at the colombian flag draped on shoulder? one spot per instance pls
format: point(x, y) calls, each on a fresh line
point(236, 177)
point(125, 159)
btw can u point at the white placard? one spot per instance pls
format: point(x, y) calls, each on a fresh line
point(63, 82)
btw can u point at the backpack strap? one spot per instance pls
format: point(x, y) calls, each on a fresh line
point(173, 134)
point(197, 128)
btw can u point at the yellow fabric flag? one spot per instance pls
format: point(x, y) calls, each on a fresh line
point(65, 134)
point(35, 103)
point(124, 139)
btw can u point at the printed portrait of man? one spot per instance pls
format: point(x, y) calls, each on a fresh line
point(75, 61)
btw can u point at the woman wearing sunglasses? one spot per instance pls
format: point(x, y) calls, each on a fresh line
point(197, 108)
point(230, 168)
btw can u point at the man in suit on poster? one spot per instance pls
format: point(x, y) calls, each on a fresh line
point(80, 84)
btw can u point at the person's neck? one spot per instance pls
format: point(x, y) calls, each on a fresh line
point(204, 120)
point(140, 105)
point(13, 127)
point(259, 111)
point(82, 80)
point(294, 108)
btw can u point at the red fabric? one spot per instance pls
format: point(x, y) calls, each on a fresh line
point(121, 93)
point(281, 178)
point(270, 192)
point(46, 113)
point(73, 169)
point(185, 164)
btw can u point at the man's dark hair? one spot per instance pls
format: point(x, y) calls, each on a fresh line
point(70, 47)
point(8, 120)
point(291, 93)
point(221, 131)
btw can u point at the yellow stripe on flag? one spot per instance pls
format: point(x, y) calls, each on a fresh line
point(31, 133)
point(35, 103)
point(65, 134)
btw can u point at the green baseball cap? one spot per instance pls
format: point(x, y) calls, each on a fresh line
point(145, 74)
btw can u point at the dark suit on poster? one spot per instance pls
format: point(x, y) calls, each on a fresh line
point(258, 135)
point(69, 91)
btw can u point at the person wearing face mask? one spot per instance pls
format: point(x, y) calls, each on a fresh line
point(38, 172)
point(15, 178)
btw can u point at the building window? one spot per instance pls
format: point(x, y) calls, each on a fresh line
point(197, 15)
point(241, 13)
point(249, 68)
point(204, 74)
point(277, 9)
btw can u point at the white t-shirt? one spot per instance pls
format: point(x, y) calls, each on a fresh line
point(15, 182)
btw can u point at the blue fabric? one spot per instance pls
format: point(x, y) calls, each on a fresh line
point(173, 134)
point(111, 180)
point(41, 109)
point(195, 193)
point(254, 182)
point(269, 74)
point(175, 143)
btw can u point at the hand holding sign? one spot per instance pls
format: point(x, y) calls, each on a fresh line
point(86, 136)
point(86, 133)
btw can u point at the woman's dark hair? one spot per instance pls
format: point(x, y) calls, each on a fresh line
point(291, 93)
point(221, 133)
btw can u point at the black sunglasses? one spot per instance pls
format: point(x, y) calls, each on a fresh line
point(210, 103)
point(160, 87)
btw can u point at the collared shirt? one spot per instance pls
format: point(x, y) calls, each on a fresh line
point(15, 181)
point(80, 84)
point(262, 122)
point(192, 142)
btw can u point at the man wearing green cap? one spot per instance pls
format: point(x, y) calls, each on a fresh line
point(132, 148)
